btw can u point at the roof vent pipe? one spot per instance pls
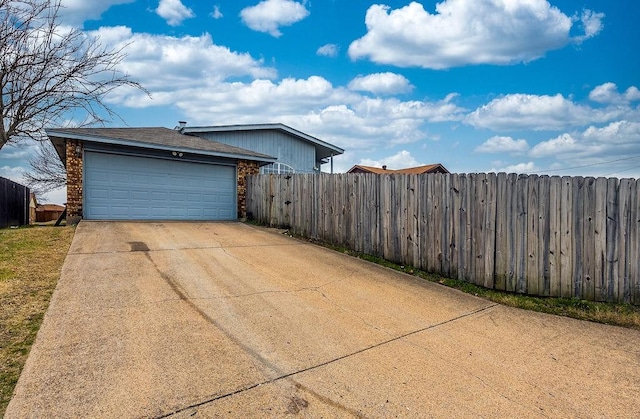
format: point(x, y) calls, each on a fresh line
point(384, 167)
point(182, 124)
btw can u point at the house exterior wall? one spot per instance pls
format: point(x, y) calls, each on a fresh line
point(289, 150)
point(245, 168)
point(74, 181)
point(75, 166)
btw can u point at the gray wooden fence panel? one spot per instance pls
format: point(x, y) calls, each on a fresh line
point(624, 219)
point(490, 231)
point(566, 242)
point(531, 254)
point(550, 236)
point(522, 191)
point(512, 222)
point(589, 240)
point(445, 191)
point(635, 295)
point(555, 235)
point(600, 245)
point(613, 240)
point(544, 236)
point(502, 250)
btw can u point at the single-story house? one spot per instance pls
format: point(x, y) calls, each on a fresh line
point(430, 168)
point(171, 174)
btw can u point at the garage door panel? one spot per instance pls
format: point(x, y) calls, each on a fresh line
point(139, 179)
point(138, 195)
point(127, 187)
point(119, 210)
point(120, 194)
point(98, 193)
point(177, 197)
point(139, 211)
point(119, 178)
point(158, 180)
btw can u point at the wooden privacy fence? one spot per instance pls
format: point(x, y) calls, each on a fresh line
point(538, 235)
point(14, 203)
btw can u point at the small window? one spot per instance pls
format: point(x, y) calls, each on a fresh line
point(277, 169)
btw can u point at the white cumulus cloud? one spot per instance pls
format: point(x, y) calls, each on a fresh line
point(165, 63)
point(13, 173)
point(562, 144)
point(401, 160)
point(591, 23)
point(540, 113)
point(607, 93)
point(173, 11)
point(381, 83)
point(216, 14)
point(269, 15)
point(500, 144)
point(328, 50)
point(467, 32)
point(75, 12)
point(525, 167)
point(209, 84)
point(595, 144)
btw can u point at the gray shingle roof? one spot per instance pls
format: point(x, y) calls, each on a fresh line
point(155, 136)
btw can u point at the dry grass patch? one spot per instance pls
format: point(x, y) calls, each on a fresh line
point(30, 263)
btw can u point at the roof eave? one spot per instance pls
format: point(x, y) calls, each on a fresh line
point(62, 135)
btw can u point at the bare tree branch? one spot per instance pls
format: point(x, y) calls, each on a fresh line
point(48, 71)
point(47, 172)
point(48, 74)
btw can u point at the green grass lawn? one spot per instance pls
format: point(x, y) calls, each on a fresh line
point(30, 263)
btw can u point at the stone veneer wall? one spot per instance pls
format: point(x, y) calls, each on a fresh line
point(74, 182)
point(245, 168)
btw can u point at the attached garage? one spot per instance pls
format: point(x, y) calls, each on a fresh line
point(152, 174)
point(120, 187)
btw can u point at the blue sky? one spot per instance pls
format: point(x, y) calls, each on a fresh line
point(527, 86)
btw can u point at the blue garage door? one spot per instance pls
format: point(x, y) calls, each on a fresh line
point(118, 187)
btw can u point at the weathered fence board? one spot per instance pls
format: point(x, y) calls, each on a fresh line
point(540, 235)
point(555, 235)
point(566, 242)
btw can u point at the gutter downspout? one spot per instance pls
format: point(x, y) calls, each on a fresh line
point(331, 163)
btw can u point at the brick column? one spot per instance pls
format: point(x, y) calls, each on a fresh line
point(245, 168)
point(74, 182)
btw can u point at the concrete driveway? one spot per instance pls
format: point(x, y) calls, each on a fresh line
point(230, 320)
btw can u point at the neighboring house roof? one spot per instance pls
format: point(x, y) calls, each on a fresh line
point(153, 138)
point(50, 207)
point(324, 150)
point(429, 168)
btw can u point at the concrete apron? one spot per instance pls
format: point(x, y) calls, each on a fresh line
point(230, 320)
